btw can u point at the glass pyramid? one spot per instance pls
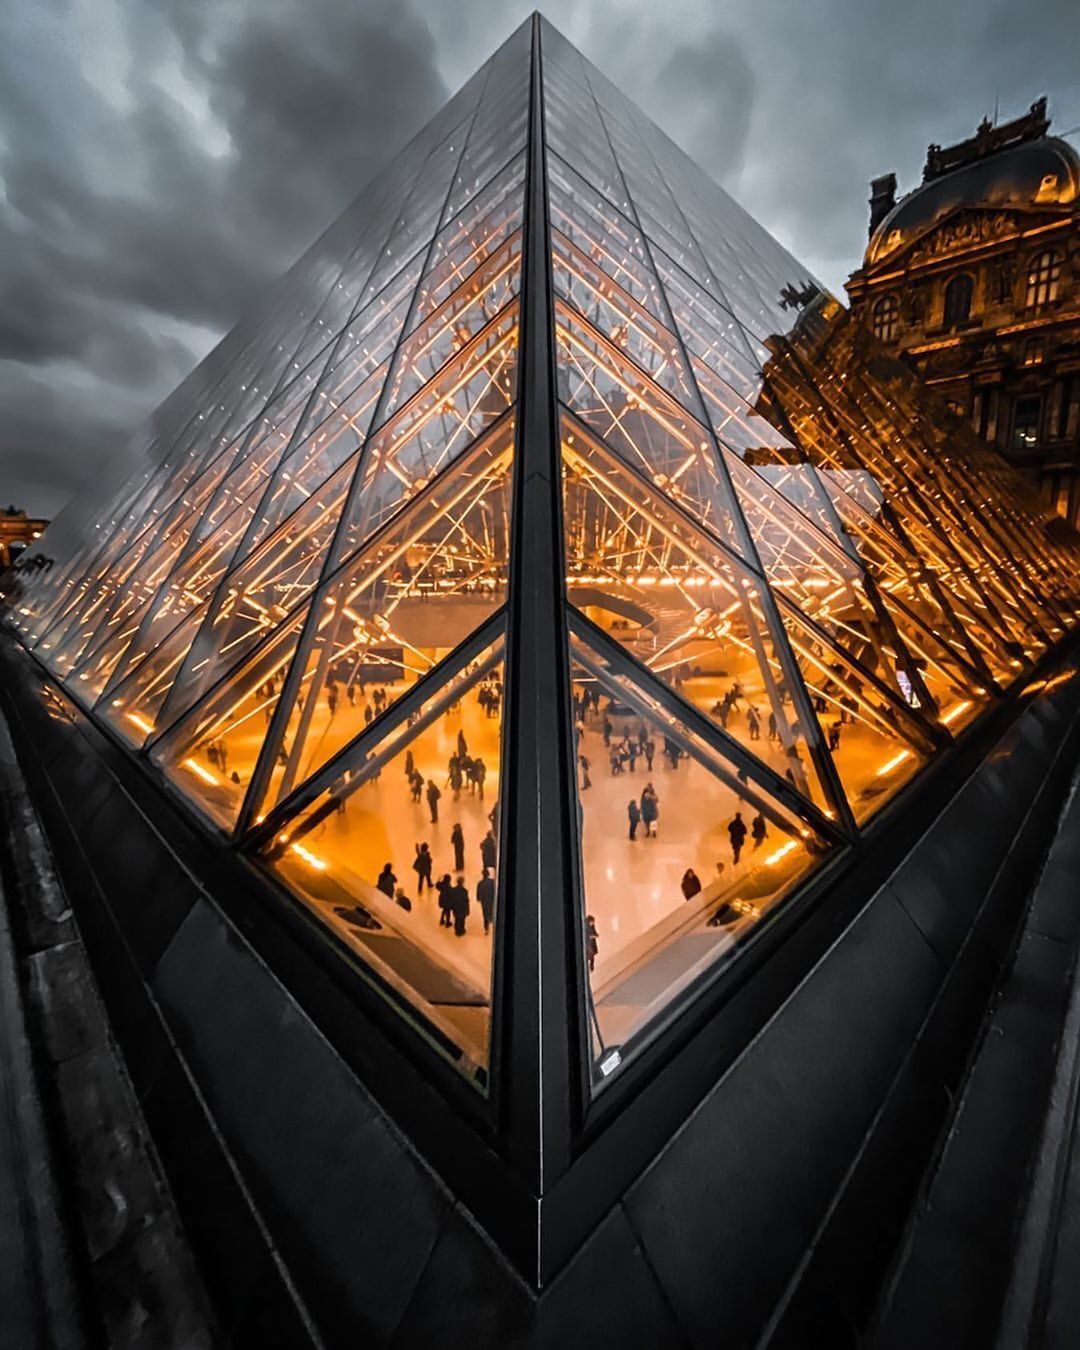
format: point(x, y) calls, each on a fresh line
point(544, 580)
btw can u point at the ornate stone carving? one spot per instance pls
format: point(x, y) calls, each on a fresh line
point(965, 231)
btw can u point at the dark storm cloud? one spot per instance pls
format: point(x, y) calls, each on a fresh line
point(704, 91)
point(145, 205)
point(158, 163)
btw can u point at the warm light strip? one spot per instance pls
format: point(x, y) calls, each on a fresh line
point(893, 763)
point(955, 711)
point(199, 772)
point(781, 852)
point(310, 858)
point(140, 722)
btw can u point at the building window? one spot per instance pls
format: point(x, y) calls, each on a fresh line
point(886, 315)
point(958, 301)
point(1043, 278)
point(1034, 352)
point(1026, 423)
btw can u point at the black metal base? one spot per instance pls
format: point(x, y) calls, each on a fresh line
point(758, 1174)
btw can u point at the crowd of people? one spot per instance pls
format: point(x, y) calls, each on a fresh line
point(465, 772)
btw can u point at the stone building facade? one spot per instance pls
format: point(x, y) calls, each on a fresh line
point(973, 279)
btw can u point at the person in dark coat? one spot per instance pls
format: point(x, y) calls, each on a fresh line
point(422, 868)
point(459, 905)
point(592, 942)
point(387, 881)
point(462, 746)
point(634, 812)
point(737, 833)
point(457, 839)
point(485, 898)
point(690, 884)
point(443, 889)
point(487, 851)
point(758, 830)
point(433, 795)
point(650, 810)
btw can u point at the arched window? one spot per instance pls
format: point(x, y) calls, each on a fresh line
point(958, 301)
point(885, 318)
point(1043, 278)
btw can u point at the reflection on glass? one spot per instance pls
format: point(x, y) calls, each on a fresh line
point(682, 853)
point(397, 854)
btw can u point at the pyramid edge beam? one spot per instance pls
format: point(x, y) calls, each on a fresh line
point(539, 983)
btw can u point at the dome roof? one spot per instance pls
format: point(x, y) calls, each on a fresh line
point(1042, 172)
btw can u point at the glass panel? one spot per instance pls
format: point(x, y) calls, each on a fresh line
point(421, 586)
point(679, 862)
point(433, 428)
point(211, 755)
point(683, 608)
point(397, 854)
point(641, 422)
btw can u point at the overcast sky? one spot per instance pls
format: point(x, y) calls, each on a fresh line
point(161, 159)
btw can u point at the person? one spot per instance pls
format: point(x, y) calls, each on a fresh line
point(650, 810)
point(433, 795)
point(453, 780)
point(234, 777)
point(586, 781)
point(834, 736)
point(410, 763)
point(457, 839)
point(387, 881)
point(758, 830)
point(774, 731)
point(422, 868)
point(485, 898)
point(616, 762)
point(350, 689)
point(753, 721)
point(592, 942)
point(462, 745)
point(416, 783)
point(737, 834)
point(630, 750)
point(649, 747)
point(479, 773)
point(367, 713)
point(634, 812)
point(443, 888)
point(607, 729)
point(331, 698)
point(459, 905)
point(690, 884)
point(487, 851)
